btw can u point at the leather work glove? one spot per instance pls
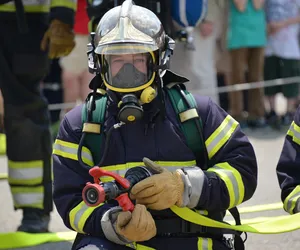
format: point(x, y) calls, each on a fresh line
point(136, 226)
point(160, 191)
point(60, 39)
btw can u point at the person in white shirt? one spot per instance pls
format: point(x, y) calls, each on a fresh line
point(201, 62)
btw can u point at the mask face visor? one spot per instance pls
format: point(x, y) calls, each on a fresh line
point(129, 70)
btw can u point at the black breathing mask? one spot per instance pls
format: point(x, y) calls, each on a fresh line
point(130, 104)
point(128, 77)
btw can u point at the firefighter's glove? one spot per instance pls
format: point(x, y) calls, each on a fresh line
point(136, 226)
point(160, 191)
point(125, 227)
point(59, 38)
point(163, 190)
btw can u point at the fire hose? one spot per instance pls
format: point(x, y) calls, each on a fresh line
point(98, 192)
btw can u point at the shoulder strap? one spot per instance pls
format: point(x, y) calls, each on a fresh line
point(185, 106)
point(191, 125)
point(93, 128)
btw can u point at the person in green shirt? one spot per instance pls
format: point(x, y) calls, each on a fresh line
point(246, 40)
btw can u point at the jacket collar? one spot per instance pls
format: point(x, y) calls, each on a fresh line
point(172, 78)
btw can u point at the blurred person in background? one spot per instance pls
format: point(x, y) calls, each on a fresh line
point(282, 56)
point(31, 32)
point(75, 74)
point(246, 42)
point(200, 66)
point(222, 57)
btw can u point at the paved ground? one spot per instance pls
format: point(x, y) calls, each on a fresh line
point(267, 144)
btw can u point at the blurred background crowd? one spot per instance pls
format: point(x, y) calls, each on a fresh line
point(240, 41)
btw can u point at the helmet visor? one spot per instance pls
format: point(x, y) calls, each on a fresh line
point(128, 68)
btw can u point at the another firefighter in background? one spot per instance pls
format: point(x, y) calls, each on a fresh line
point(130, 45)
point(31, 32)
point(288, 168)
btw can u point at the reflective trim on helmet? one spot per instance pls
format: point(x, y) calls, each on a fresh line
point(126, 48)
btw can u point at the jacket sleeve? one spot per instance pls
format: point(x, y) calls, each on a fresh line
point(63, 10)
point(288, 167)
point(231, 175)
point(69, 180)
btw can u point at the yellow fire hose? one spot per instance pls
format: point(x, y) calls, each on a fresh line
point(259, 225)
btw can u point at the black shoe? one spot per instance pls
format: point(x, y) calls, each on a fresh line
point(34, 221)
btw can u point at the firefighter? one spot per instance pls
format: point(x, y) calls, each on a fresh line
point(131, 51)
point(32, 32)
point(287, 167)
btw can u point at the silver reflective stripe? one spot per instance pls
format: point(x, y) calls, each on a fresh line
point(202, 212)
point(205, 244)
point(25, 173)
point(73, 151)
point(23, 199)
point(79, 215)
point(173, 169)
point(123, 171)
point(290, 202)
point(295, 133)
point(220, 135)
point(233, 181)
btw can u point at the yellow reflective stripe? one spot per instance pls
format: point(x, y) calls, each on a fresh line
point(220, 136)
point(205, 244)
point(136, 246)
point(25, 164)
point(25, 173)
point(294, 132)
point(28, 196)
point(291, 200)
point(29, 6)
point(122, 168)
point(170, 164)
point(141, 247)
point(69, 150)
point(233, 181)
point(71, 4)
point(79, 215)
